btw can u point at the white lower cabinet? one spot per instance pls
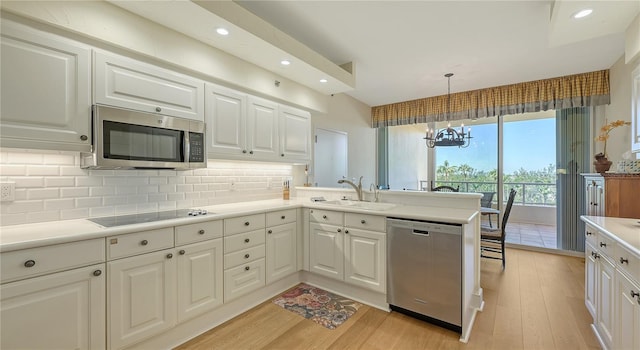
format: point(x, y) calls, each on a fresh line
point(590, 278)
point(364, 259)
point(63, 310)
point(281, 254)
point(628, 313)
point(326, 250)
point(605, 300)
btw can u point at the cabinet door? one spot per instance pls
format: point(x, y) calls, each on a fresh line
point(605, 297)
point(45, 91)
point(142, 297)
point(365, 264)
point(281, 251)
point(262, 128)
point(295, 134)
point(226, 120)
point(326, 255)
point(64, 310)
point(124, 82)
point(590, 279)
point(199, 278)
point(627, 314)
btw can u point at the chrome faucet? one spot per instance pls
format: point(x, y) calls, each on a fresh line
point(358, 188)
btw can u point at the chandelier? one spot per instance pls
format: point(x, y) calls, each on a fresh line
point(448, 136)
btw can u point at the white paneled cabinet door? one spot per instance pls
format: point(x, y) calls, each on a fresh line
point(124, 82)
point(281, 251)
point(199, 278)
point(64, 310)
point(590, 279)
point(262, 128)
point(295, 134)
point(226, 120)
point(326, 256)
point(627, 313)
point(141, 298)
point(605, 298)
point(364, 259)
point(45, 90)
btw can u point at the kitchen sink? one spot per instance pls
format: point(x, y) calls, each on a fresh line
point(361, 205)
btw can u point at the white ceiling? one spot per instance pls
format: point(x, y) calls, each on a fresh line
point(402, 49)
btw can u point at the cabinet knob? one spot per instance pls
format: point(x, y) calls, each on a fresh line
point(182, 252)
point(169, 256)
point(634, 294)
point(246, 256)
point(270, 231)
point(346, 231)
point(246, 240)
point(158, 109)
point(84, 137)
point(624, 261)
point(144, 242)
point(589, 233)
point(602, 244)
point(250, 152)
point(595, 204)
point(97, 273)
point(282, 155)
point(324, 216)
point(282, 217)
point(29, 263)
point(247, 223)
point(339, 230)
point(246, 268)
point(201, 232)
point(363, 221)
point(596, 255)
point(244, 151)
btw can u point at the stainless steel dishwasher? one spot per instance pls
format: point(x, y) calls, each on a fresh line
point(424, 270)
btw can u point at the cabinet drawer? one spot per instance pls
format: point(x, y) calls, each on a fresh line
point(591, 235)
point(32, 262)
point(199, 232)
point(605, 245)
point(326, 217)
point(243, 224)
point(243, 240)
point(243, 279)
point(365, 222)
point(627, 262)
point(243, 256)
point(281, 217)
point(139, 242)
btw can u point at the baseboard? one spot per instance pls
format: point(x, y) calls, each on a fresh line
point(600, 340)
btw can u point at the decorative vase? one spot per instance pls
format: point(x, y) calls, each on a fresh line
point(601, 163)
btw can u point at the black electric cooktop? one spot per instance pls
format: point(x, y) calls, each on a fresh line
point(119, 220)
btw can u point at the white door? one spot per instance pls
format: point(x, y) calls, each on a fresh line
point(326, 255)
point(590, 279)
point(142, 297)
point(364, 264)
point(295, 133)
point(199, 278)
point(45, 90)
point(330, 157)
point(627, 314)
point(64, 310)
point(635, 110)
point(262, 128)
point(281, 251)
point(605, 295)
point(226, 120)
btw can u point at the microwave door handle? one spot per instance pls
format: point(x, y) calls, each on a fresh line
point(187, 147)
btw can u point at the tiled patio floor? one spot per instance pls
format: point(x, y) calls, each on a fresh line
point(531, 234)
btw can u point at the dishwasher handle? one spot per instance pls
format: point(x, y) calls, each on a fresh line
point(421, 233)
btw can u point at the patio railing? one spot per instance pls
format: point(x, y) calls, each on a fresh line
point(528, 193)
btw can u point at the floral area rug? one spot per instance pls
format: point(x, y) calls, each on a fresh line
point(318, 305)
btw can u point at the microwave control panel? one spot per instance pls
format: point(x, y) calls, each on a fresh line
point(196, 143)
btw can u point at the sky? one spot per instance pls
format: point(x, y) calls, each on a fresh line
point(529, 144)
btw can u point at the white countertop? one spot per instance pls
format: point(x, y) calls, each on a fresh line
point(625, 231)
point(56, 232)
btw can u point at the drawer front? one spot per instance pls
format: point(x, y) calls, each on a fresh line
point(591, 235)
point(32, 262)
point(243, 241)
point(281, 217)
point(243, 256)
point(627, 262)
point(605, 245)
point(243, 279)
point(199, 232)
point(139, 243)
point(243, 224)
point(326, 217)
point(366, 222)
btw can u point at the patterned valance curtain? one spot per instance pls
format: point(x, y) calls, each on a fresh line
point(579, 90)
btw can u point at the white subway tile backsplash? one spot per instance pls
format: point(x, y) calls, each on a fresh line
point(73, 170)
point(74, 192)
point(43, 216)
point(43, 170)
point(102, 191)
point(59, 159)
point(23, 181)
point(71, 214)
point(25, 158)
point(59, 204)
point(43, 193)
point(13, 170)
point(26, 206)
point(88, 202)
point(59, 181)
point(88, 181)
point(114, 200)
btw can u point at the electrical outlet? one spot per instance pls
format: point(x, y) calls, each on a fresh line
point(7, 191)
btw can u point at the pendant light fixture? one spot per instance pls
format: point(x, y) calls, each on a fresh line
point(448, 136)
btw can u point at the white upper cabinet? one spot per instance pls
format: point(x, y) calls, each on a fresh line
point(262, 127)
point(295, 134)
point(226, 120)
point(45, 90)
point(635, 110)
point(124, 82)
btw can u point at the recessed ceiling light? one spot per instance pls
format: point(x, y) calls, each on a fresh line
point(222, 31)
point(323, 80)
point(582, 13)
point(285, 62)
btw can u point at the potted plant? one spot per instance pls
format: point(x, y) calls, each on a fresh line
point(601, 163)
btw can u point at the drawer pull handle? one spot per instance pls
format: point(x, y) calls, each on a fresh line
point(339, 230)
point(246, 268)
point(201, 232)
point(346, 231)
point(158, 109)
point(624, 261)
point(97, 273)
point(634, 294)
point(362, 221)
point(596, 255)
point(270, 231)
point(182, 252)
point(324, 216)
point(144, 242)
point(247, 223)
point(602, 244)
point(282, 217)
point(29, 263)
point(169, 256)
point(246, 240)
point(589, 233)
point(246, 256)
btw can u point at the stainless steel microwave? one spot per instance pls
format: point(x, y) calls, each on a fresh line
point(128, 139)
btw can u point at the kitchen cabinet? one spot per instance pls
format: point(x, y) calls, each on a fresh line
point(226, 121)
point(295, 134)
point(628, 311)
point(262, 128)
point(326, 250)
point(281, 251)
point(594, 195)
point(45, 90)
point(605, 299)
point(621, 199)
point(591, 278)
point(124, 82)
point(365, 263)
point(635, 109)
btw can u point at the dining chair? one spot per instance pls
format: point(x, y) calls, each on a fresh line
point(492, 240)
point(445, 189)
point(485, 202)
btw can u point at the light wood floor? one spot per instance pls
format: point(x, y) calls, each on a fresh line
point(536, 303)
